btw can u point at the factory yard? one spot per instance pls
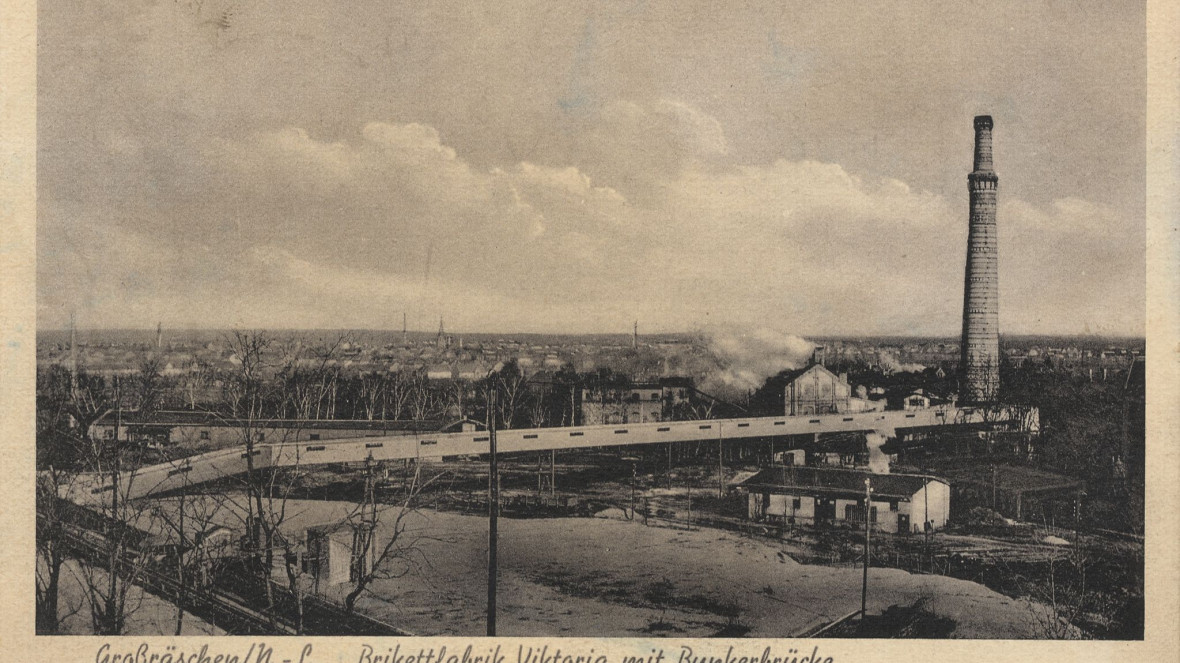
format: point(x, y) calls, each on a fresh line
point(604, 576)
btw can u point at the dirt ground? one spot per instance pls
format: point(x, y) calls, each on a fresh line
point(146, 614)
point(593, 576)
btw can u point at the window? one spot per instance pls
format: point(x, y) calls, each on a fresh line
point(316, 545)
point(315, 436)
point(204, 435)
point(796, 503)
point(108, 434)
point(261, 436)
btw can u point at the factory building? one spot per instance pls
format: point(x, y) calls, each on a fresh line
point(636, 403)
point(817, 497)
point(816, 390)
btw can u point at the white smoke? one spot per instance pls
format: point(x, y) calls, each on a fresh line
point(890, 364)
point(746, 358)
point(878, 460)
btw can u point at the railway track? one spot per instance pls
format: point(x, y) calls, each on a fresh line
point(223, 603)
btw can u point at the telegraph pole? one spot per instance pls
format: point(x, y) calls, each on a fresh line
point(720, 465)
point(493, 508)
point(864, 586)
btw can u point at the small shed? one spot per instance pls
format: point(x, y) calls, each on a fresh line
point(338, 553)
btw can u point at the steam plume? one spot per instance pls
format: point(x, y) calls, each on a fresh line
point(746, 358)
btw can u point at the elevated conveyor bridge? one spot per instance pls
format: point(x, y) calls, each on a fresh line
point(163, 477)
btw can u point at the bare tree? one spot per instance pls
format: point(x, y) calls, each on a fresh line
point(200, 376)
point(121, 548)
point(535, 410)
point(269, 490)
point(396, 395)
point(372, 393)
point(246, 391)
point(59, 442)
point(458, 393)
point(311, 378)
point(423, 399)
point(326, 376)
point(511, 385)
point(192, 525)
point(401, 553)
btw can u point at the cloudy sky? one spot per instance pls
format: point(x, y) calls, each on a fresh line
point(571, 167)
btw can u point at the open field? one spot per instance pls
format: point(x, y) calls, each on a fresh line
point(592, 576)
point(146, 614)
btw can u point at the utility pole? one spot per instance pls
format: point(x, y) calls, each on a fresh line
point(720, 465)
point(864, 586)
point(74, 355)
point(493, 508)
point(633, 461)
point(927, 528)
point(993, 487)
point(669, 464)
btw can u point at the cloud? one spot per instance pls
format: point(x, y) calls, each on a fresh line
point(395, 216)
point(1071, 264)
point(752, 165)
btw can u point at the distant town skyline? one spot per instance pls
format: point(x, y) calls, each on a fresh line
point(561, 168)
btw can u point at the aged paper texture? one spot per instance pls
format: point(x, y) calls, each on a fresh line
point(616, 331)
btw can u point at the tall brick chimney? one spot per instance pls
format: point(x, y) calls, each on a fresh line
point(980, 358)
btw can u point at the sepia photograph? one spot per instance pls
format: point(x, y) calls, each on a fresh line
point(620, 319)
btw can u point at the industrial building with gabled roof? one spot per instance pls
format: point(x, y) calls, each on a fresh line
point(811, 496)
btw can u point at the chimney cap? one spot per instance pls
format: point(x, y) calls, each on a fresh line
point(983, 121)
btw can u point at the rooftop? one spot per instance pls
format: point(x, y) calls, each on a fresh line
point(851, 482)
